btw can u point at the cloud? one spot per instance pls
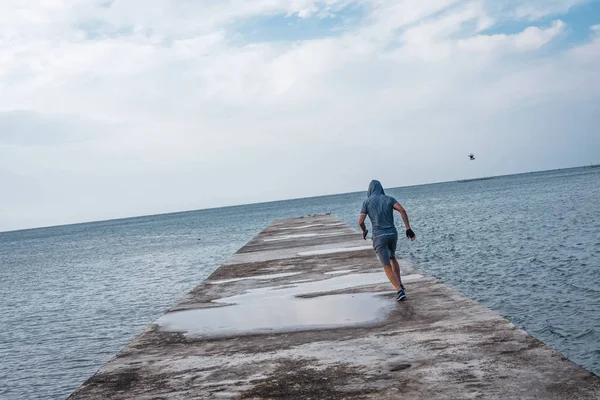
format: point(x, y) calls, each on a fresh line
point(27, 128)
point(537, 9)
point(532, 37)
point(145, 104)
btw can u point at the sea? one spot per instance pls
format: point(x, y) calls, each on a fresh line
point(527, 246)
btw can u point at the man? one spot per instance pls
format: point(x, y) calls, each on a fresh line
point(380, 209)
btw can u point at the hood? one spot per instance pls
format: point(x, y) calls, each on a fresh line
point(375, 188)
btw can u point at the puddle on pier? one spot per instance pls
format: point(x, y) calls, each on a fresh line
point(255, 277)
point(341, 271)
point(305, 235)
point(280, 309)
point(300, 227)
point(334, 250)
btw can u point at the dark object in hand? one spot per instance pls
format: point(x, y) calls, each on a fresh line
point(365, 234)
point(410, 234)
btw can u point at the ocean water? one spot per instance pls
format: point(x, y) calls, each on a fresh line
point(527, 246)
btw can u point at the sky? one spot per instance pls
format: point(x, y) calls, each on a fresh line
point(116, 108)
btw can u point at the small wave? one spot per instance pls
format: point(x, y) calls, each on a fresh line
point(555, 330)
point(585, 334)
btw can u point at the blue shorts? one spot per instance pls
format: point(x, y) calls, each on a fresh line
point(385, 247)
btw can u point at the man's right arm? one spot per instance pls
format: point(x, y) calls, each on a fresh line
point(363, 227)
point(361, 219)
point(409, 233)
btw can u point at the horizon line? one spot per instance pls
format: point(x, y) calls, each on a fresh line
point(291, 199)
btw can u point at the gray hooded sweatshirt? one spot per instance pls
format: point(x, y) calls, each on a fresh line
point(380, 209)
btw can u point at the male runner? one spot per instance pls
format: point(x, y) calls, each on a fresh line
point(380, 209)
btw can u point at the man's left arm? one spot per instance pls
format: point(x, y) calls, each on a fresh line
point(409, 232)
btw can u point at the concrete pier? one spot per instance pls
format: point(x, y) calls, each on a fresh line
point(304, 311)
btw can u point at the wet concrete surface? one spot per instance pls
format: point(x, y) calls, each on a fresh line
point(325, 325)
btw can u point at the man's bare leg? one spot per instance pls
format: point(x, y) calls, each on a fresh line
point(396, 270)
point(392, 276)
